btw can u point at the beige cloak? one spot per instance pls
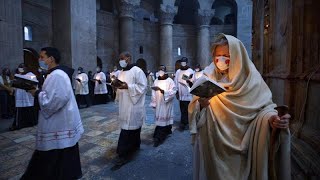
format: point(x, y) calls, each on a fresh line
point(231, 136)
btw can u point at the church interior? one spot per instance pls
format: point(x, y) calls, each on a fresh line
point(282, 39)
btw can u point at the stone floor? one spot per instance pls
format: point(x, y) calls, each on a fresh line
point(171, 160)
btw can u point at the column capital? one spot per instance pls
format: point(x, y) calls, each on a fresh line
point(167, 14)
point(204, 16)
point(127, 8)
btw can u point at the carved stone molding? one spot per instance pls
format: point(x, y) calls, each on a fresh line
point(127, 8)
point(167, 14)
point(204, 16)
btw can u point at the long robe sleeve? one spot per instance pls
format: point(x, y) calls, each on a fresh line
point(171, 92)
point(138, 88)
point(53, 100)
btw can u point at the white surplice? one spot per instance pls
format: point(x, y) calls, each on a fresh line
point(163, 103)
point(182, 85)
point(132, 113)
point(100, 88)
point(82, 86)
point(60, 123)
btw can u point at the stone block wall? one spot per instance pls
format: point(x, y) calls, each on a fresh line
point(11, 39)
point(38, 15)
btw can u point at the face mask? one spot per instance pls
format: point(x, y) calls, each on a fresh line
point(183, 63)
point(43, 65)
point(123, 63)
point(114, 69)
point(98, 69)
point(79, 72)
point(21, 70)
point(197, 70)
point(222, 62)
point(161, 73)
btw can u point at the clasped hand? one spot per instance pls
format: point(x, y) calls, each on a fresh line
point(279, 122)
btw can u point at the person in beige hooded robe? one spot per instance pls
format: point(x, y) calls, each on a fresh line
point(231, 131)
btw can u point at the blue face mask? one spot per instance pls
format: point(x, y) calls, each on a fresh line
point(43, 65)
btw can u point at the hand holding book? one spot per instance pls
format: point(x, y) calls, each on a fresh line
point(156, 88)
point(23, 82)
point(206, 88)
point(119, 84)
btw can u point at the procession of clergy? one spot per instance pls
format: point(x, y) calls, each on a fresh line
point(230, 131)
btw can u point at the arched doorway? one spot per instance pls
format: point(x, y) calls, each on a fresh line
point(99, 62)
point(30, 57)
point(225, 14)
point(142, 64)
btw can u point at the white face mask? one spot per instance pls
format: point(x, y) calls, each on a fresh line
point(79, 72)
point(197, 69)
point(98, 69)
point(222, 62)
point(21, 70)
point(183, 63)
point(123, 63)
point(161, 73)
point(43, 65)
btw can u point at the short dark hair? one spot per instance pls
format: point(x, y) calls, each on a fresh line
point(184, 59)
point(54, 52)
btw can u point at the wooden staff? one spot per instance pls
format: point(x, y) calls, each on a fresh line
point(282, 110)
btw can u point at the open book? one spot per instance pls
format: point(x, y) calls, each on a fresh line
point(23, 82)
point(206, 87)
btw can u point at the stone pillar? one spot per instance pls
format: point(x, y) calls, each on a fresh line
point(126, 36)
point(75, 32)
point(203, 39)
point(11, 39)
point(244, 23)
point(167, 14)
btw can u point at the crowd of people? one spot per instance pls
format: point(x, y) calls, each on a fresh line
point(230, 131)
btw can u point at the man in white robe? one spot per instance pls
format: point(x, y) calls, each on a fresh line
point(162, 100)
point(231, 131)
point(183, 85)
point(59, 127)
point(132, 114)
point(100, 87)
point(81, 87)
point(26, 115)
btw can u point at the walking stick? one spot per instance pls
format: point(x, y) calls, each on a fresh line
point(282, 110)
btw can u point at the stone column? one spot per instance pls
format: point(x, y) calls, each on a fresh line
point(75, 32)
point(167, 14)
point(126, 37)
point(11, 39)
point(203, 39)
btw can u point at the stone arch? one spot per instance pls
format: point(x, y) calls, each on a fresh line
point(106, 5)
point(99, 62)
point(30, 59)
point(187, 11)
point(226, 13)
point(142, 64)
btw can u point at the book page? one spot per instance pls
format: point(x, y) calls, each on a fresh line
point(206, 87)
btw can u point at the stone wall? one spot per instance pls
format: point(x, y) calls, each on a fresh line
point(11, 38)
point(107, 39)
point(185, 36)
point(38, 15)
point(147, 35)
